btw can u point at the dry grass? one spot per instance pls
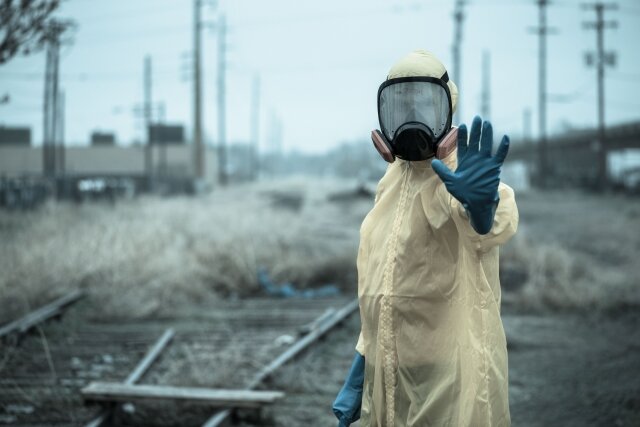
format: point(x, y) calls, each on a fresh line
point(143, 257)
point(574, 251)
point(147, 256)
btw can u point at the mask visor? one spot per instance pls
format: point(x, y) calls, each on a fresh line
point(424, 100)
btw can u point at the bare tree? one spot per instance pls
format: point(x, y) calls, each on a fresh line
point(26, 25)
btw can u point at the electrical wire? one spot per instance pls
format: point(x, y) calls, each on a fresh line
point(83, 76)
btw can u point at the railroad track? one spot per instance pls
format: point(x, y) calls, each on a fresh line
point(234, 345)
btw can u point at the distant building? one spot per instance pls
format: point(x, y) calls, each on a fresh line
point(103, 139)
point(163, 134)
point(15, 136)
point(172, 160)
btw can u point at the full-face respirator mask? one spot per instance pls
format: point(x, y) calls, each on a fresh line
point(415, 115)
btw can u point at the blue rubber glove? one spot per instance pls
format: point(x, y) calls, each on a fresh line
point(349, 400)
point(475, 181)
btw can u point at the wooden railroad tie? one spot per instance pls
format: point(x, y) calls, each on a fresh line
point(322, 325)
point(142, 367)
point(221, 398)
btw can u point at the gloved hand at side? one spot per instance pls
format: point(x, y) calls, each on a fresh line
point(347, 405)
point(475, 181)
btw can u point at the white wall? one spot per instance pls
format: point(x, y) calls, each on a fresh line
point(20, 161)
point(104, 160)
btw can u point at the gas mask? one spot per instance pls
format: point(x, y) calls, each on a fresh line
point(415, 115)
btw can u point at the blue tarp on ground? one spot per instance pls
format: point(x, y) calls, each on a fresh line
point(287, 290)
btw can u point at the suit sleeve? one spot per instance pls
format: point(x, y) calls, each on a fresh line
point(505, 222)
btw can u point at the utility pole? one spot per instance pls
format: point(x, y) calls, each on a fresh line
point(601, 59)
point(222, 65)
point(255, 128)
point(51, 102)
point(148, 120)
point(542, 30)
point(197, 93)
point(485, 107)
point(458, 20)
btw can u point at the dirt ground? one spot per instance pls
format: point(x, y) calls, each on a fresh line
point(564, 370)
point(571, 302)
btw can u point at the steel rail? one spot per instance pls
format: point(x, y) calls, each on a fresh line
point(137, 373)
point(323, 324)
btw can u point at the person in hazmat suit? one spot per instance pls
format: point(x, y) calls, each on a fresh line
point(432, 348)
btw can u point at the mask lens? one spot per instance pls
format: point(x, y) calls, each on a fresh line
point(414, 101)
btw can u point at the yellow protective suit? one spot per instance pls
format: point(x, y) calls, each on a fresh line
point(429, 293)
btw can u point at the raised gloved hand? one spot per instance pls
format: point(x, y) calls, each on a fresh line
point(475, 181)
point(349, 400)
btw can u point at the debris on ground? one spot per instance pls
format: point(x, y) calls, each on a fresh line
point(362, 191)
point(288, 290)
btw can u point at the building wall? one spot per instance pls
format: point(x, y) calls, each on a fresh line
point(179, 161)
point(211, 166)
point(104, 160)
point(108, 160)
point(19, 161)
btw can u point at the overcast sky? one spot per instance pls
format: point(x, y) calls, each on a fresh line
point(320, 64)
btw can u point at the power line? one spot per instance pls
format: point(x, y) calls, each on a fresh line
point(571, 96)
point(134, 14)
point(332, 16)
point(170, 30)
point(78, 77)
point(624, 77)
